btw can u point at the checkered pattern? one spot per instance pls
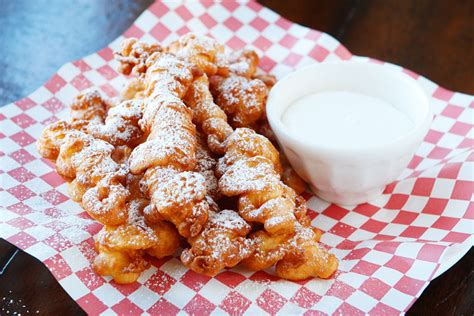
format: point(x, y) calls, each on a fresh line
point(389, 250)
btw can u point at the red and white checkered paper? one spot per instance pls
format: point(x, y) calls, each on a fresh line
point(389, 250)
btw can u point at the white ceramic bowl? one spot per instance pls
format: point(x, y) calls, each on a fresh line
point(350, 176)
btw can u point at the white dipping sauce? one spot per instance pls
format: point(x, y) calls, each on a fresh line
point(345, 119)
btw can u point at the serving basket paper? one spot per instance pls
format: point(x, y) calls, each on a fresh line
point(389, 250)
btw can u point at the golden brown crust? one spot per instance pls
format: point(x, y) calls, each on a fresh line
point(262, 196)
point(297, 256)
point(123, 266)
point(133, 55)
point(290, 177)
point(51, 138)
point(121, 248)
point(89, 106)
point(206, 164)
point(269, 80)
point(97, 176)
point(246, 143)
point(117, 125)
point(208, 116)
point(242, 99)
point(269, 249)
point(242, 63)
point(222, 244)
point(306, 258)
point(134, 89)
point(179, 197)
point(200, 51)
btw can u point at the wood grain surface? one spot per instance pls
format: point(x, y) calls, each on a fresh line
point(432, 38)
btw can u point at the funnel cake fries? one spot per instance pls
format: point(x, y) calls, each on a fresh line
point(267, 79)
point(134, 55)
point(224, 93)
point(213, 122)
point(221, 244)
point(242, 99)
point(200, 51)
point(290, 177)
point(242, 63)
point(90, 107)
point(263, 198)
point(150, 176)
point(297, 256)
point(306, 258)
point(250, 170)
point(97, 180)
point(120, 126)
point(209, 117)
point(111, 196)
point(235, 89)
point(261, 194)
point(245, 143)
point(168, 156)
point(121, 248)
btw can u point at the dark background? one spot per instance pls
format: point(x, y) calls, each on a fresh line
point(432, 38)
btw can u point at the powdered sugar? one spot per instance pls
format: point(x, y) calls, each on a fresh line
point(121, 124)
point(190, 46)
point(181, 189)
point(249, 175)
point(221, 243)
point(228, 219)
point(242, 99)
point(205, 166)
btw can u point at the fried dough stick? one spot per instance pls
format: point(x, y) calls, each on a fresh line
point(212, 121)
point(209, 117)
point(121, 249)
point(168, 156)
point(286, 240)
point(221, 244)
point(297, 256)
point(96, 179)
point(106, 191)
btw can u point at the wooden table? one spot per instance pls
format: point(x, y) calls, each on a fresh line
point(432, 38)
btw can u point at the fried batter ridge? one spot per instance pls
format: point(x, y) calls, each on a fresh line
point(250, 169)
point(297, 256)
point(208, 116)
point(206, 164)
point(121, 249)
point(221, 244)
point(201, 51)
point(212, 120)
point(245, 143)
point(242, 63)
point(133, 89)
point(242, 99)
point(117, 124)
point(133, 56)
point(107, 191)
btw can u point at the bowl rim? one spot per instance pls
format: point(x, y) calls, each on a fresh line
point(415, 135)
